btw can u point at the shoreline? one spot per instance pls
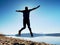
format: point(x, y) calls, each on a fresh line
point(11, 41)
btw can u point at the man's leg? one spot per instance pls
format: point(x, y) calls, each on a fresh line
point(28, 23)
point(30, 31)
point(24, 26)
point(21, 30)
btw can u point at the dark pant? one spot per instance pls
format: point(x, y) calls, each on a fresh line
point(26, 21)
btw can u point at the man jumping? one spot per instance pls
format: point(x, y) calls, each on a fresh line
point(26, 19)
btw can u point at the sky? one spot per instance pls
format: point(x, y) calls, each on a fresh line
point(45, 19)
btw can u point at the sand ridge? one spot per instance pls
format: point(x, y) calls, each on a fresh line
point(12, 41)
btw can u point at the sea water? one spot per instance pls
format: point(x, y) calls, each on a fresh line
point(41, 38)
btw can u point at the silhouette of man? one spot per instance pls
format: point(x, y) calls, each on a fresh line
point(26, 19)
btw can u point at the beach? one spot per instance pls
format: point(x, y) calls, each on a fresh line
point(12, 41)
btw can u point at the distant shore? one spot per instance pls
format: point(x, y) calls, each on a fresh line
point(12, 41)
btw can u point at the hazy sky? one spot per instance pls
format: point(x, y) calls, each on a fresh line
point(45, 19)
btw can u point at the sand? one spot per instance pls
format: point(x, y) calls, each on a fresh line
point(15, 41)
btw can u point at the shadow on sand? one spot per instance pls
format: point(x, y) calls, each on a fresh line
point(34, 35)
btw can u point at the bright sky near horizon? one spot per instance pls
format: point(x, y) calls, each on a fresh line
point(45, 19)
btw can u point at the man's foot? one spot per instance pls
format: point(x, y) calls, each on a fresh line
point(19, 33)
point(32, 35)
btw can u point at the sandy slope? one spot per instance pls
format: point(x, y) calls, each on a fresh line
point(11, 41)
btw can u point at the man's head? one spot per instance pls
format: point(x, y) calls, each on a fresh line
point(26, 8)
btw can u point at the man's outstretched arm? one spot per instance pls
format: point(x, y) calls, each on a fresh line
point(34, 8)
point(19, 10)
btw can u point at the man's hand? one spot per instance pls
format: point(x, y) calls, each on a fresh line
point(19, 10)
point(38, 6)
point(16, 10)
point(35, 8)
